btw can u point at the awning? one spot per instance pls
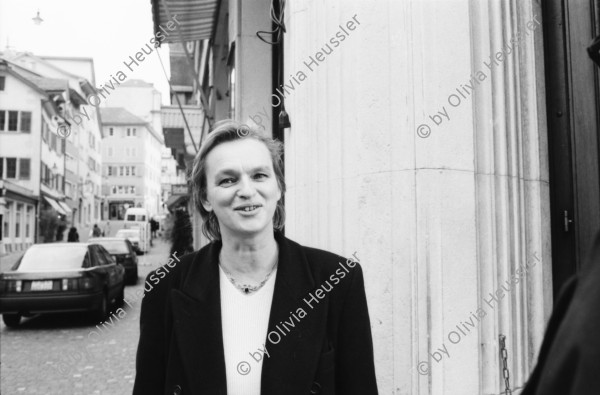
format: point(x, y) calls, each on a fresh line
point(196, 19)
point(55, 205)
point(175, 201)
point(65, 207)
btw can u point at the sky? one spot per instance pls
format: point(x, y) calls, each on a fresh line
point(109, 31)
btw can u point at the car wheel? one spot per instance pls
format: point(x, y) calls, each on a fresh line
point(134, 278)
point(121, 296)
point(11, 320)
point(102, 311)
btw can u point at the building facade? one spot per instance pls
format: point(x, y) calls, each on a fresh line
point(76, 125)
point(20, 158)
point(44, 157)
point(131, 153)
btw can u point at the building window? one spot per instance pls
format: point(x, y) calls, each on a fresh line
point(13, 120)
point(127, 170)
point(121, 170)
point(133, 170)
point(2, 120)
point(24, 168)
point(6, 225)
point(28, 221)
point(70, 191)
point(45, 130)
point(110, 170)
point(26, 121)
point(11, 167)
point(1, 168)
point(133, 132)
point(2, 82)
point(18, 220)
point(53, 141)
point(120, 189)
point(46, 175)
point(111, 132)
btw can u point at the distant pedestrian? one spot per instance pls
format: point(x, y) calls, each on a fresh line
point(182, 241)
point(96, 232)
point(73, 236)
point(107, 229)
point(153, 227)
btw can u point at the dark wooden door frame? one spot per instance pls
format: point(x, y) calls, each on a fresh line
point(572, 100)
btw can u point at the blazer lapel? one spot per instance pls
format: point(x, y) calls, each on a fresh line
point(291, 339)
point(197, 324)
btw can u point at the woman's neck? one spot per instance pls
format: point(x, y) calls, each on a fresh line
point(249, 259)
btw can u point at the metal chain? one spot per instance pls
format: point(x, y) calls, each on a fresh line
point(505, 372)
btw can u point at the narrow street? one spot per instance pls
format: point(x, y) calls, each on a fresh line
point(55, 354)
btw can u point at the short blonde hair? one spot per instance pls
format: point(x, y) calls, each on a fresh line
point(223, 132)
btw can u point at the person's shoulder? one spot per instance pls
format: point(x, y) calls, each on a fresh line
point(175, 268)
point(326, 261)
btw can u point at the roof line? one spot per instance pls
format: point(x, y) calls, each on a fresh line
point(24, 80)
point(49, 64)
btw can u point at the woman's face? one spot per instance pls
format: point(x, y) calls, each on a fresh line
point(241, 187)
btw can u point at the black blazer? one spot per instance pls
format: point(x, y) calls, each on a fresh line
point(327, 351)
point(569, 360)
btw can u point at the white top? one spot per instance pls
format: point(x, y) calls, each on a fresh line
point(245, 320)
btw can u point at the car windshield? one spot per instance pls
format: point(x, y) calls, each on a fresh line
point(53, 257)
point(113, 246)
point(128, 233)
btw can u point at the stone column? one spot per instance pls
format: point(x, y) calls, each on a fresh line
point(407, 148)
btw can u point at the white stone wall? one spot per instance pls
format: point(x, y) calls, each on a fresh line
point(438, 222)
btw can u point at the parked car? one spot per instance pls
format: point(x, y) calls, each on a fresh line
point(133, 235)
point(122, 250)
point(61, 277)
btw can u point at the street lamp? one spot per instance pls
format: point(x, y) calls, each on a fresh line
point(37, 19)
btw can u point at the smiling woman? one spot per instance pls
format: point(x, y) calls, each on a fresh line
point(200, 325)
point(228, 147)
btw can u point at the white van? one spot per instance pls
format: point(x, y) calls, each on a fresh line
point(139, 218)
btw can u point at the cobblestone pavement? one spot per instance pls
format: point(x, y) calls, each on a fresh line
point(55, 354)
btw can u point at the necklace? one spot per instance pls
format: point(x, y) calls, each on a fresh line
point(248, 288)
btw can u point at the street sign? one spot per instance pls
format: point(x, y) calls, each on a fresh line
point(179, 189)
